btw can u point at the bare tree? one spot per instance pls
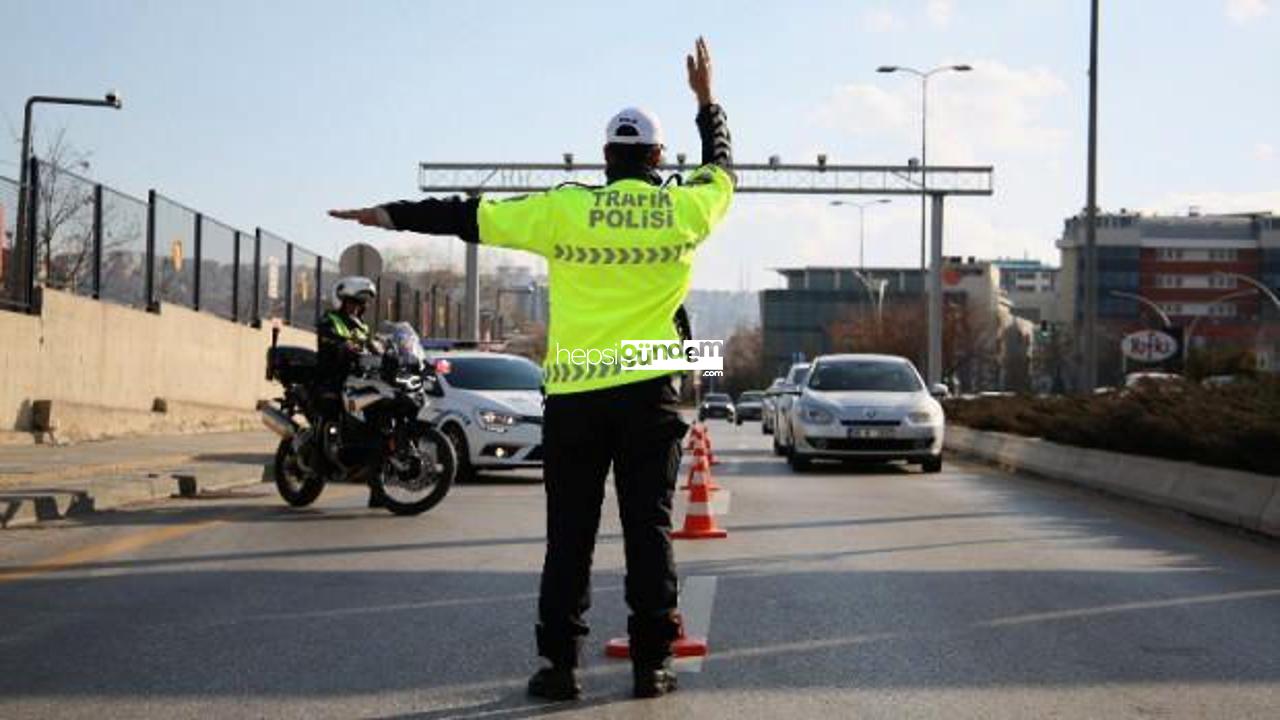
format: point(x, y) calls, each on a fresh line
point(744, 361)
point(898, 330)
point(64, 217)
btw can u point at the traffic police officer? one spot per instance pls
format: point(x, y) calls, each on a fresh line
point(620, 259)
point(341, 337)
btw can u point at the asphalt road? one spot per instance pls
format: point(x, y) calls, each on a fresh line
point(873, 592)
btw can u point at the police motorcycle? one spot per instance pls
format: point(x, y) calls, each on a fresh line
point(381, 437)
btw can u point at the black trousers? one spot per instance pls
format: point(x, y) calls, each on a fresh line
point(636, 429)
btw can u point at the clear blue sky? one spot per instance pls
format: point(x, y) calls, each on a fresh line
point(267, 113)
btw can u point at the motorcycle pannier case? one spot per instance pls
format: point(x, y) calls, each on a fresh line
point(290, 365)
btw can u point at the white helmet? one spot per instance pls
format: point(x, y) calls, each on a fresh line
point(354, 287)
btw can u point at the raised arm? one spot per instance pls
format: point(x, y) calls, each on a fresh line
point(713, 124)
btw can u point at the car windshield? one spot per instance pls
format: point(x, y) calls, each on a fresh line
point(864, 375)
point(499, 372)
point(717, 398)
point(798, 375)
point(751, 396)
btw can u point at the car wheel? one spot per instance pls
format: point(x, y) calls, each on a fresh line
point(932, 465)
point(798, 462)
point(466, 471)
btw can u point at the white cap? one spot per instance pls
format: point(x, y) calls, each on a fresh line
point(634, 126)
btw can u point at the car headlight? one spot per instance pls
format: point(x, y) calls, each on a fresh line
point(814, 415)
point(924, 416)
point(496, 421)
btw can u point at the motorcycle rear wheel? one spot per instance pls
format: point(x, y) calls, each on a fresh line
point(295, 488)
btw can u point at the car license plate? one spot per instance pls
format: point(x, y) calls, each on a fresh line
point(865, 433)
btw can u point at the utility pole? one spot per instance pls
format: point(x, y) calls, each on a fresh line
point(1091, 216)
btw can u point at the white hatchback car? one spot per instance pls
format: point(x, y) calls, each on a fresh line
point(864, 407)
point(491, 409)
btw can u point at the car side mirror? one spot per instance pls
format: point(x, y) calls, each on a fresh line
point(940, 391)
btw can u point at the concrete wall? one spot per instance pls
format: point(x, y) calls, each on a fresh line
point(1247, 500)
point(104, 366)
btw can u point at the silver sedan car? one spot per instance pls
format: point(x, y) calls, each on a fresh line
point(864, 407)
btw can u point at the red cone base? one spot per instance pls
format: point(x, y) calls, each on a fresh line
point(709, 533)
point(620, 649)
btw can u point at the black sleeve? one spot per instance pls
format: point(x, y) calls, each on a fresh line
point(451, 216)
point(717, 145)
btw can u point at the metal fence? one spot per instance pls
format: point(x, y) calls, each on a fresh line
point(95, 241)
point(92, 240)
point(11, 281)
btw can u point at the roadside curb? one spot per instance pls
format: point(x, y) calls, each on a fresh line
point(1242, 499)
point(25, 506)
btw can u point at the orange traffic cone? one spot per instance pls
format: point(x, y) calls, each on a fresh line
point(682, 646)
point(699, 523)
point(711, 454)
point(694, 438)
point(702, 468)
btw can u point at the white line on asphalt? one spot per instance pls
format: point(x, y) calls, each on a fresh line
point(1124, 607)
point(696, 601)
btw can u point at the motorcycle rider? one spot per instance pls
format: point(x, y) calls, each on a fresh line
point(342, 337)
point(620, 260)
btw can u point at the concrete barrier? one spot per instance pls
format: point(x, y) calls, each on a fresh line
point(102, 368)
point(1247, 500)
point(1271, 515)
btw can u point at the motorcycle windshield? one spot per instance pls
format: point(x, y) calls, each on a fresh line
point(406, 345)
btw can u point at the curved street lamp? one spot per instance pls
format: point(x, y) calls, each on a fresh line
point(110, 99)
point(1255, 283)
point(1234, 295)
point(924, 76)
point(862, 224)
point(1164, 317)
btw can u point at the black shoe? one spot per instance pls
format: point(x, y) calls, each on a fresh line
point(655, 682)
point(377, 500)
point(555, 683)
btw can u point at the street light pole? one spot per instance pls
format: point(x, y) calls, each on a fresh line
point(862, 224)
point(1091, 216)
point(111, 99)
point(924, 76)
point(933, 346)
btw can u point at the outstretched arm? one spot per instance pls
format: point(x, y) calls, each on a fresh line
point(451, 216)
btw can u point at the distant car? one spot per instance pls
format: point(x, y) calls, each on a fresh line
point(768, 405)
point(491, 410)
point(865, 407)
point(1136, 379)
point(750, 406)
point(716, 405)
point(785, 393)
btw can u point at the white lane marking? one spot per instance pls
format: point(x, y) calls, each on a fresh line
point(696, 602)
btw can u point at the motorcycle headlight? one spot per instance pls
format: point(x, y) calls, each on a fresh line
point(814, 415)
point(496, 421)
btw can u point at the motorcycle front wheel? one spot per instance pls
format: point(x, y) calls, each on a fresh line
point(423, 486)
point(299, 489)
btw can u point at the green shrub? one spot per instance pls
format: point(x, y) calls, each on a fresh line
point(1233, 426)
